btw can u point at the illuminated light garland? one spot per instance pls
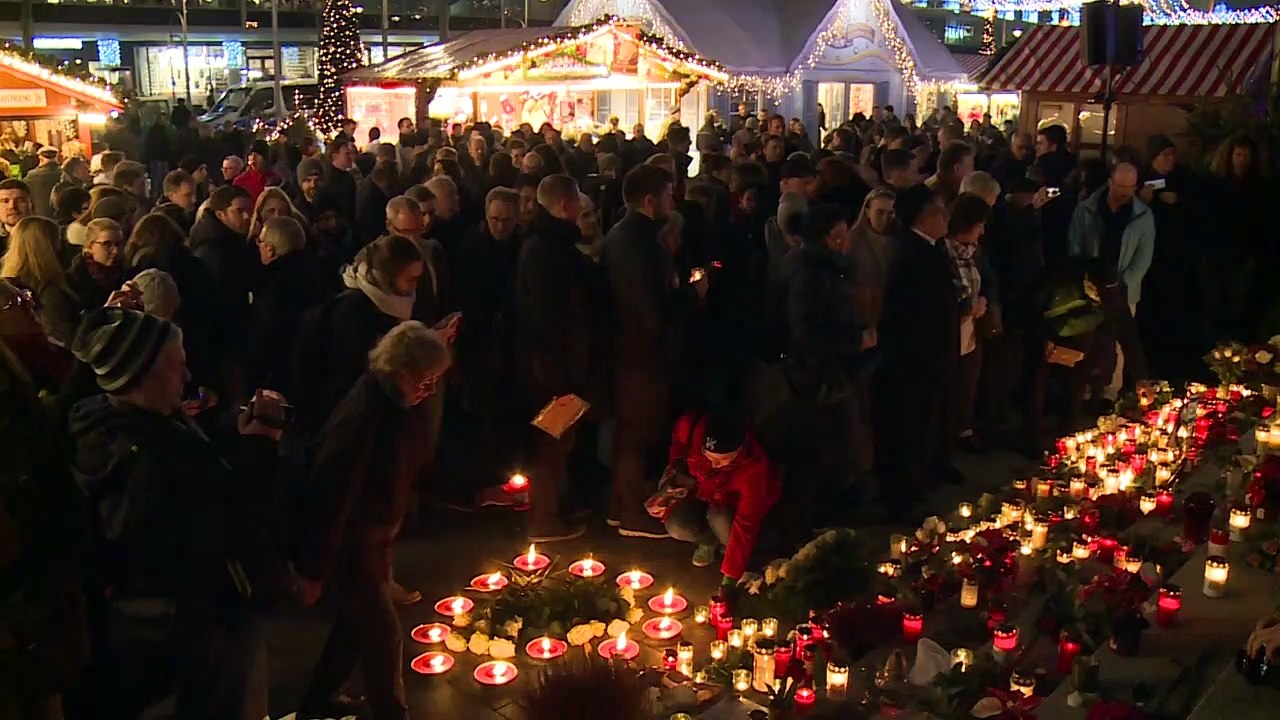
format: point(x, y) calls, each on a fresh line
point(989, 34)
point(1158, 12)
point(57, 78)
point(340, 51)
point(586, 11)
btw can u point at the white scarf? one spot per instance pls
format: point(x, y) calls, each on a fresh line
point(397, 306)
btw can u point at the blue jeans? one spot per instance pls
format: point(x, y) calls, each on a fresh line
point(693, 520)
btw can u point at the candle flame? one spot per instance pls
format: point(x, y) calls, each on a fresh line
point(494, 579)
point(499, 670)
point(532, 556)
point(588, 567)
point(546, 646)
point(437, 661)
point(668, 597)
point(621, 645)
point(518, 481)
point(635, 579)
point(665, 624)
point(457, 605)
point(434, 633)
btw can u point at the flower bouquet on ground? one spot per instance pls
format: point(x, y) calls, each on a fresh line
point(834, 567)
point(1110, 609)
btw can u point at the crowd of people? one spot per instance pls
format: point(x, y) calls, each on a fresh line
point(231, 375)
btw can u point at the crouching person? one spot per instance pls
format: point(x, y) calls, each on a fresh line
point(718, 487)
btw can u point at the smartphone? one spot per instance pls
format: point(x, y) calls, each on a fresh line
point(1157, 184)
point(1052, 192)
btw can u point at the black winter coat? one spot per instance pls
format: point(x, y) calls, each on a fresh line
point(342, 186)
point(235, 267)
point(485, 272)
point(647, 299)
point(288, 289)
point(824, 337)
point(356, 326)
point(90, 291)
point(553, 330)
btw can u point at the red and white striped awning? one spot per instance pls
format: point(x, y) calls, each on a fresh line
point(1178, 60)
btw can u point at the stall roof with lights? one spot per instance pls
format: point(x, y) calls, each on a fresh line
point(1179, 61)
point(479, 51)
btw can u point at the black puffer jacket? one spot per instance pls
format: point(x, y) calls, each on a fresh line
point(234, 265)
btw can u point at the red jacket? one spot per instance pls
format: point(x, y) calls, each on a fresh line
point(750, 485)
point(254, 181)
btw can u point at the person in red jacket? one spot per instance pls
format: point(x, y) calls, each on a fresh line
point(257, 176)
point(735, 487)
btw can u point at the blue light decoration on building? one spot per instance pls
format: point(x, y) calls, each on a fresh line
point(233, 51)
point(109, 52)
point(1073, 16)
point(952, 5)
point(289, 54)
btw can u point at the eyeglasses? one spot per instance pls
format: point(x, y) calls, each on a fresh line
point(107, 244)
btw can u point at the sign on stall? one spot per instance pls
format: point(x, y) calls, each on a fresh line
point(22, 98)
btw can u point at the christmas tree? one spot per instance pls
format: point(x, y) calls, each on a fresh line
point(340, 51)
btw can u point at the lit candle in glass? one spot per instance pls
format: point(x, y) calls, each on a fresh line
point(1063, 556)
point(700, 678)
point(700, 614)
point(684, 651)
point(912, 625)
point(516, 484)
point(837, 680)
point(1011, 511)
point(1022, 682)
point(782, 655)
point(1240, 520)
point(1168, 604)
point(750, 626)
point(532, 560)
point(719, 649)
point(890, 568)
point(1080, 549)
point(1039, 533)
point(969, 593)
point(1147, 503)
point(769, 627)
point(966, 510)
point(741, 680)
point(1069, 646)
point(805, 696)
point(1005, 639)
point(1133, 561)
point(1216, 571)
point(897, 546)
point(1070, 511)
point(736, 638)
point(1077, 487)
point(764, 665)
point(962, 657)
point(1020, 485)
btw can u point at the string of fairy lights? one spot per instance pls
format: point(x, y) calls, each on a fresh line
point(340, 51)
point(1157, 12)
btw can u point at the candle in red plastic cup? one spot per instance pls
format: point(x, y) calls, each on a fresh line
point(1168, 604)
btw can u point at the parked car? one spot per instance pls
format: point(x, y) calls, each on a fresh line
point(244, 104)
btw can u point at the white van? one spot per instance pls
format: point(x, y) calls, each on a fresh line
point(242, 104)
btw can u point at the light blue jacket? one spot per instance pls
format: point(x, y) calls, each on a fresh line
point(1136, 245)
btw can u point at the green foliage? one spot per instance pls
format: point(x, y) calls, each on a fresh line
point(548, 603)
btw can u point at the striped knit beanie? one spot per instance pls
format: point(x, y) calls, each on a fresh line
point(120, 345)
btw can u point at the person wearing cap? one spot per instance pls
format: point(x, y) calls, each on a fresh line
point(176, 523)
point(42, 178)
point(735, 486)
point(307, 195)
point(257, 175)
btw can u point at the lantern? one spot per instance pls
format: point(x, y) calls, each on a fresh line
point(1168, 604)
point(1241, 519)
point(1216, 571)
point(1022, 682)
point(764, 667)
point(1005, 638)
point(912, 625)
point(837, 680)
point(969, 593)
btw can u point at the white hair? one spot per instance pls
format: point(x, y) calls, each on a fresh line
point(981, 184)
point(159, 293)
point(410, 348)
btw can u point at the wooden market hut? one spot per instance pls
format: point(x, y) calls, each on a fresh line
point(573, 77)
point(47, 106)
point(1183, 66)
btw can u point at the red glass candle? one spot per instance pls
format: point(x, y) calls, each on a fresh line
point(912, 626)
point(782, 657)
point(1164, 502)
point(1138, 463)
point(723, 626)
point(804, 637)
point(997, 614)
point(669, 659)
point(805, 696)
point(1005, 638)
point(1168, 605)
point(1106, 550)
point(1068, 648)
point(886, 599)
point(718, 607)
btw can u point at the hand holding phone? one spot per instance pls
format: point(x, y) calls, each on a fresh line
point(448, 326)
point(696, 275)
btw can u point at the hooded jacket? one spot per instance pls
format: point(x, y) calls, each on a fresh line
point(170, 511)
point(1137, 244)
point(750, 485)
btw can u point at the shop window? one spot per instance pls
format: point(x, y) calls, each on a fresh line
point(1055, 114)
point(862, 98)
point(831, 96)
point(957, 33)
point(604, 107)
point(658, 105)
point(1091, 125)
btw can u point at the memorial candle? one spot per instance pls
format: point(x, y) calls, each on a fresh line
point(587, 567)
point(769, 627)
point(969, 593)
point(684, 651)
point(1216, 571)
point(531, 561)
point(966, 510)
point(635, 579)
point(912, 625)
point(837, 680)
point(1005, 638)
point(516, 484)
point(432, 663)
point(1168, 604)
point(750, 626)
point(701, 614)
point(546, 648)
point(1147, 503)
point(1069, 646)
point(663, 628)
point(741, 680)
point(764, 665)
point(619, 648)
point(719, 649)
point(805, 696)
point(1022, 682)
point(782, 655)
point(962, 657)
point(736, 639)
point(1240, 520)
point(668, 602)
point(495, 672)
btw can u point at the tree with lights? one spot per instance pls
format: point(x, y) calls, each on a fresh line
point(340, 51)
point(989, 33)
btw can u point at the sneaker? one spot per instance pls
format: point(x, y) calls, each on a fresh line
point(612, 522)
point(495, 496)
point(704, 555)
point(647, 528)
point(555, 531)
point(402, 596)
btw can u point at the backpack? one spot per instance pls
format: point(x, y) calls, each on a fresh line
point(309, 367)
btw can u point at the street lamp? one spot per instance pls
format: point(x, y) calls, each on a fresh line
point(186, 54)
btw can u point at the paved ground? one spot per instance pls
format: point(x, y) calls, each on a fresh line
point(444, 551)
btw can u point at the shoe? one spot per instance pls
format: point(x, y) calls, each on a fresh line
point(402, 596)
point(495, 496)
point(647, 528)
point(612, 522)
point(704, 555)
point(556, 530)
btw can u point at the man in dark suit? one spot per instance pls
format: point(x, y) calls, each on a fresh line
point(920, 340)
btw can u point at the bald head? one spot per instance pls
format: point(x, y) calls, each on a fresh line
point(1123, 185)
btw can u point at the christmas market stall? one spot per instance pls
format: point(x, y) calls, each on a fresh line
point(572, 77)
point(1183, 66)
point(847, 55)
point(41, 103)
